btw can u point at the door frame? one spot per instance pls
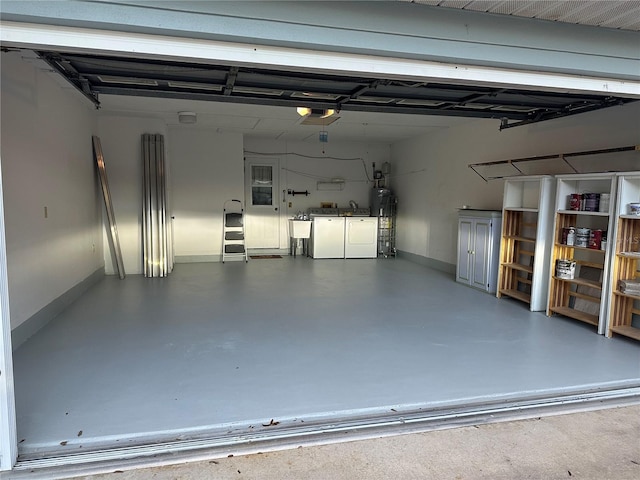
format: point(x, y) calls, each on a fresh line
point(8, 425)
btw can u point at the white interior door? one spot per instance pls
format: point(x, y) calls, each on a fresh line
point(262, 219)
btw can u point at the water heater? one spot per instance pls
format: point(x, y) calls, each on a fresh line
point(381, 202)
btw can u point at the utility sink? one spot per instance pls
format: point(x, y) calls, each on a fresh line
point(299, 228)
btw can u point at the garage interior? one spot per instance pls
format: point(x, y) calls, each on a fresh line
point(285, 347)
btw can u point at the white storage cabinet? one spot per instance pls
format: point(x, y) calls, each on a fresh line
point(478, 248)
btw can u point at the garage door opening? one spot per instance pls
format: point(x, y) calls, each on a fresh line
point(218, 351)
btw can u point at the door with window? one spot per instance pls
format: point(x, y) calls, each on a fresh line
point(262, 227)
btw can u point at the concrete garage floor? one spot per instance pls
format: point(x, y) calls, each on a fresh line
point(597, 445)
point(280, 343)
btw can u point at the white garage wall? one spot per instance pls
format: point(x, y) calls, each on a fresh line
point(121, 140)
point(47, 161)
point(441, 181)
point(303, 164)
point(206, 170)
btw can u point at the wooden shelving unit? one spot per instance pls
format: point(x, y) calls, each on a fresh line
point(527, 216)
point(584, 297)
point(624, 315)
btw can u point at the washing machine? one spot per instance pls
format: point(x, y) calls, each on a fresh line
point(361, 237)
point(327, 233)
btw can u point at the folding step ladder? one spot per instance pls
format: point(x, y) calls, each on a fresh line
point(233, 231)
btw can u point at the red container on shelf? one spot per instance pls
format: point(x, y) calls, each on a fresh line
point(575, 201)
point(595, 239)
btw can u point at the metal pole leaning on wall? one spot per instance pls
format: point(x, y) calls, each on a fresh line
point(147, 264)
point(113, 230)
point(154, 210)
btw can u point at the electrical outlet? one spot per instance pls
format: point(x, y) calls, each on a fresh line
point(290, 204)
point(46, 212)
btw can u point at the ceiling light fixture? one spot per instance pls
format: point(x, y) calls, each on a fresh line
point(315, 112)
point(187, 117)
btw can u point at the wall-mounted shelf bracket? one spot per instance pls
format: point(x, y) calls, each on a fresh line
point(330, 186)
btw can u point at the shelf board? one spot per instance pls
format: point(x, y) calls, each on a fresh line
point(518, 266)
point(521, 239)
point(577, 314)
point(581, 281)
point(628, 331)
point(584, 249)
point(629, 254)
point(630, 217)
point(521, 209)
point(517, 294)
point(628, 295)
point(330, 186)
point(583, 212)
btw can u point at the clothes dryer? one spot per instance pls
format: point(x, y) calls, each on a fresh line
point(361, 237)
